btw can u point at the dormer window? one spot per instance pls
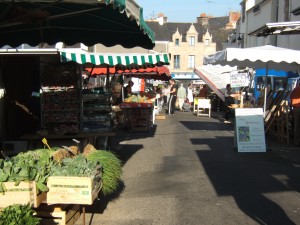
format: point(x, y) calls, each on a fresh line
point(192, 40)
point(177, 41)
point(206, 42)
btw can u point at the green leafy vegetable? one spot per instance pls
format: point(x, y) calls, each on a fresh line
point(112, 169)
point(18, 215)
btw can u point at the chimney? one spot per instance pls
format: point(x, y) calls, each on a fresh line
point(162, 19)
point(234, 16)
point(203, 19)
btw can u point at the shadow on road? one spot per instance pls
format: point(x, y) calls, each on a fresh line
point(123, 152)
point(249, 178)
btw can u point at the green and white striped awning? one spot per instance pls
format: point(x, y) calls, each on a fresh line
point(125, 60)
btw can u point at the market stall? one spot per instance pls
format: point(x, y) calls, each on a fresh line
point(68, 109)
point(107, 22)
point(49, 22)
point(146, 66)
point(138, 116)
point(138, 111)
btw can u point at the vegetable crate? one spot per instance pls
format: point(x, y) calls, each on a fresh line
point(58, 214)
point(160, 117)
point(72, 190)
point(24, 193)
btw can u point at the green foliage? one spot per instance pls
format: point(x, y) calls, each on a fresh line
point(77, 166)
point(18, 215)
point(28, 166)
point(112, 169)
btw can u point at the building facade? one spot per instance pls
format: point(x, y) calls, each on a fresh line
point(188, 53)
point(186, 43)
point(256, 14)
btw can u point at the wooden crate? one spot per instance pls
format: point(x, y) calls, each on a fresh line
point(58, 214)
point(160, 117)
point(72, 190)
point(24, 193)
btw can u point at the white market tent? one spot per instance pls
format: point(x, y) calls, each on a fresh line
point(259, 57)
point(216, 77)
point(268, 57)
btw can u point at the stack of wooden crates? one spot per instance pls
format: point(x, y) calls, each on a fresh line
point(61, 205)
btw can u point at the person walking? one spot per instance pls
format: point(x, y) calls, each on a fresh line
point(172, 98)
point(165, 92)
point(181, 95)
point(229, 99)
point(295, 102)
point(190, 95)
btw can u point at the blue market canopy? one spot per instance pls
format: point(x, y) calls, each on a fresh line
point(109, 22)
point(121, 61)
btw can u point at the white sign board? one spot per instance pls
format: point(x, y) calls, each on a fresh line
point(239, 79)
point(249, 130)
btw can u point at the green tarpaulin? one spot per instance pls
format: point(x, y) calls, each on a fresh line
point(109, 22)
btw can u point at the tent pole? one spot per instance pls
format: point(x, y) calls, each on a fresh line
point(122, 87)
point(266, 84)
point(107, 78)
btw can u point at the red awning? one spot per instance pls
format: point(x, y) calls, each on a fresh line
point(157, 73)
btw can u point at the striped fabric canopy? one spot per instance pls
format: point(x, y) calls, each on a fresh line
point(123, 61)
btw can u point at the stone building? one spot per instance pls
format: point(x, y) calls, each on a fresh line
point(187, 43)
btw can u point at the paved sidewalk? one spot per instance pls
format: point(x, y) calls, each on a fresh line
point(185, 171)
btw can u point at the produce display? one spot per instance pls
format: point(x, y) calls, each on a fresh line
point(61, 110)
point(112, 169)
point(28, 166)
point(139, 99)
point(96, 107)
point(60, 100)
point(38, 165)
point(18, 215)
point(77, 166)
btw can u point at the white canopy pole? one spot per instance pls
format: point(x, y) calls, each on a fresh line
point(266, 83)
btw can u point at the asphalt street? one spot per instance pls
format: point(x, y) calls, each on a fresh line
point(185, 171)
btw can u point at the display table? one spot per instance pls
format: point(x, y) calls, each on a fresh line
point(90, 137)
point(138, 116)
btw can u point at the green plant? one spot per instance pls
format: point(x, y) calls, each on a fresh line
point(29, 166)
point(18, 215)
point(77, 166)
point(112, 169)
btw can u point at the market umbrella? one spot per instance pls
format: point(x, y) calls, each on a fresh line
point(257, 57)
point(109, 22)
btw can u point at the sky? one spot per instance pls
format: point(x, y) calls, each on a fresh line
point(188, 10)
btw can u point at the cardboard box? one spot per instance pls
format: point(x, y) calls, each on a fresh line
point(58, 214)
point(72, 190)
point(24, 193)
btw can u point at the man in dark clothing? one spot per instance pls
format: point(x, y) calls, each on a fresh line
point(173, 97)
point(127, 89)
point(228, 101)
